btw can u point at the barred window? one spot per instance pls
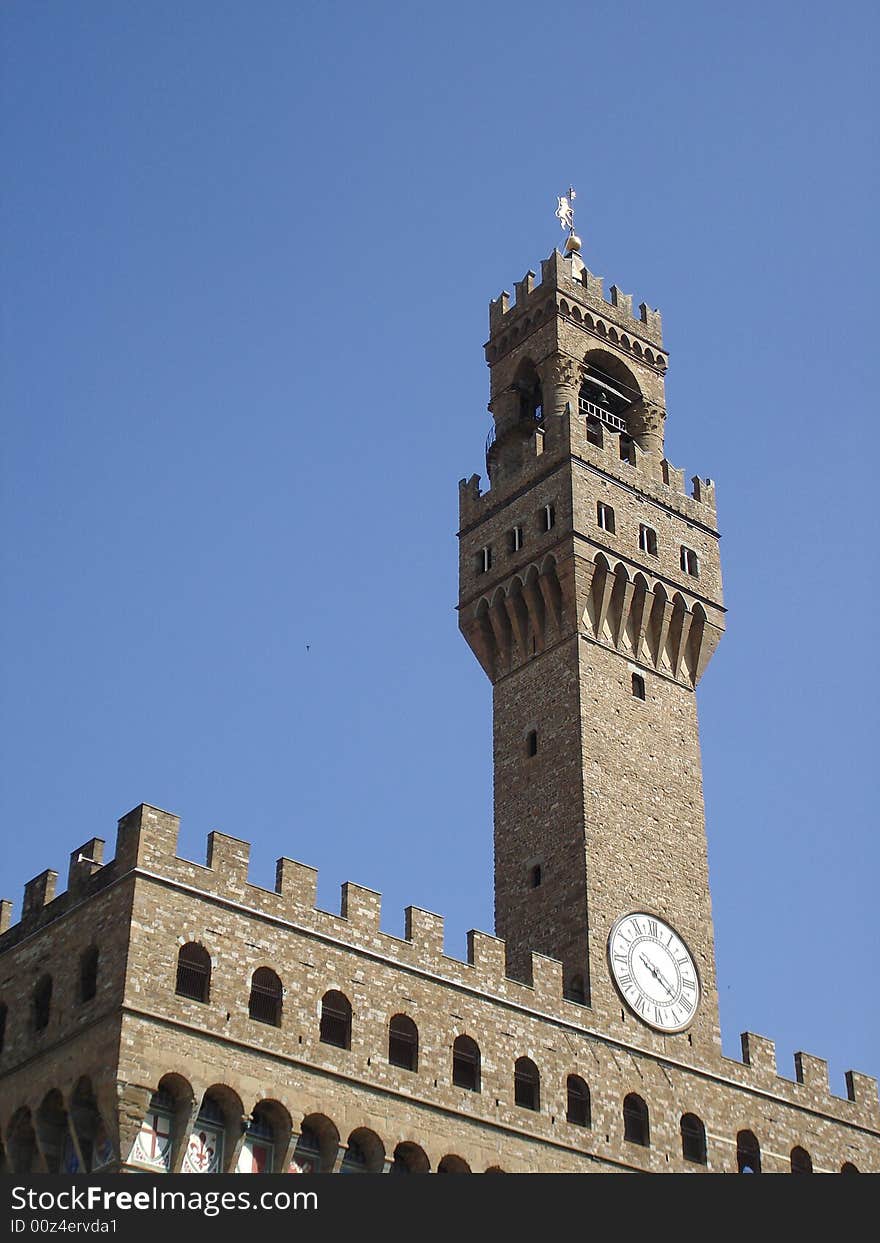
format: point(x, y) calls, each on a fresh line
point(193, 972)
point(336, 1020)
point(635, 1121)
point(403, 1043)
point(527, 1084)
point(578, 1101)
point(264, 1005)
point(466, 1063)
point(748, 1153)
point(693, 1139)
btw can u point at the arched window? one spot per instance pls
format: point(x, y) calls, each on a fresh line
point(53, 1133)
point(578, 1097)
point(21, 1143)
point(88, 973)
point(466, 1063)
point(409, 1159)
point(849, 1168)
point(153, 1143)
point(42, 1002)
point(336, 1020)
point(205, 1147)
point(93, 1139)
point(355, 1159)
point(403, 1043)
point(364, 1153)
point(257, 1152)
point(693, 1139)
point(307, 1157)
point(526, 1084)
point(748, 1153)
point(264, 1005)
point(801, 1161)
point(193, 972)
point(451, 1164)
point(635, 1121)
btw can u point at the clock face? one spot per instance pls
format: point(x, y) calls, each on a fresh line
point(654, 971)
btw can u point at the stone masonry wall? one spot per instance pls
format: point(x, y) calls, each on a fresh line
point(244, 926)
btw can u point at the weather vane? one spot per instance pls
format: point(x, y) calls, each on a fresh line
point(565, 215)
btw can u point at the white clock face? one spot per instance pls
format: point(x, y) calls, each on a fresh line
point(654, 971)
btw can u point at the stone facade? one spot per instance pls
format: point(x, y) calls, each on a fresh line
point(168, 1015)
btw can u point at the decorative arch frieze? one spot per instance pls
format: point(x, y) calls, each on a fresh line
point(638, 617)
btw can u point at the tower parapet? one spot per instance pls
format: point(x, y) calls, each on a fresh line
point(568, 274)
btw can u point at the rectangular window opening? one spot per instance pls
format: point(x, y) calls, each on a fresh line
point(690, 562)
point(605, 517)
point(648, 540)
point(594, 432)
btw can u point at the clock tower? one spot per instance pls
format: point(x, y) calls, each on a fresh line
point(590, 592)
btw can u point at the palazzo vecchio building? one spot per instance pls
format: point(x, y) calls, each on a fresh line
point(161, 1014)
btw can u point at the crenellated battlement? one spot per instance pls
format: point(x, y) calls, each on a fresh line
point(146, 849)
point(578, 288)
point(661, 480)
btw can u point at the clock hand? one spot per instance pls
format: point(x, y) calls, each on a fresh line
point(657, 974)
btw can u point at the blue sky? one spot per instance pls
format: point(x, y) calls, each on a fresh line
point(247, 254)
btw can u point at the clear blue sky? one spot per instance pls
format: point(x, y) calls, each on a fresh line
point(247, 254)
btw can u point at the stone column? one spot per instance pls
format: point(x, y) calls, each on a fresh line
point(505, 411)
point(560, 377)
point(645, 423)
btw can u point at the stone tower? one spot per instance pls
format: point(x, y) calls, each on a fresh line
point(170, 1015)
point(590, 592)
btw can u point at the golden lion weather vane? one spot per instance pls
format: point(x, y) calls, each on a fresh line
point(565, 215)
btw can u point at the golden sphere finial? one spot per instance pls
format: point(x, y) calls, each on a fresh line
point(572, 244)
